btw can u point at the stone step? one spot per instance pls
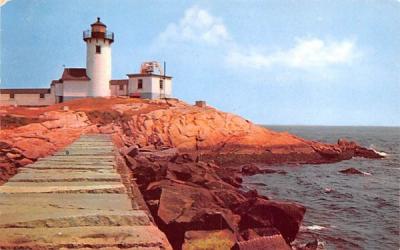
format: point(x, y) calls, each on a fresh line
point(82, 147)
point(83, 218)
point(69, 176)
point(78, 163)
point(68, 210)
point(75, 200)
point(100, 237)
point(63, 187)
point(87, 152)
point(67, 171)
point(80, 157)
point(93, 140)
point(67, 165)
point(92, 145)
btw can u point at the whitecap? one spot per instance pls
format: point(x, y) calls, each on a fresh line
point(366, 173)
point(314, 227)
point(381, 153)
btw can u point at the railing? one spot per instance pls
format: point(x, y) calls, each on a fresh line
point(89, 34)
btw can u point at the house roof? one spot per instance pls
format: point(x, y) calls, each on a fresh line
point(55, 81)
point(74, 74)
point(24, 91)
point(147, 75)
point(119, 82)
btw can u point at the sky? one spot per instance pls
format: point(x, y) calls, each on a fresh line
point(288, 62)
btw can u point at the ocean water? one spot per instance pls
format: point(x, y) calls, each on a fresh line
point(343, 211)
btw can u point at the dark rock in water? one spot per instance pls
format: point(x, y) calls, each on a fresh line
point(351, 171)
point(251, 169)
point(284, 216)
point(353, 149)
point(313, 245)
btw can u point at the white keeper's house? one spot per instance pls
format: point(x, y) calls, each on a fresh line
point(95, 80)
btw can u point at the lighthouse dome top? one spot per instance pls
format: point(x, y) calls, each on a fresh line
point(98, 31)
point(98, 23)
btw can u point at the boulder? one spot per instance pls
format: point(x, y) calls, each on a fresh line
point(252, 169)
point(34, 148)
point(273, 242)
point(351, 171)
point(261, 213)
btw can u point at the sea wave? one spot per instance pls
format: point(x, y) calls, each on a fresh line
point(313, 228)
point(381, 153)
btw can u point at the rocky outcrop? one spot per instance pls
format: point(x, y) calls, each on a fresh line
point(211, 134)
point(189, 197)
point(185, 159)
point(25, 144)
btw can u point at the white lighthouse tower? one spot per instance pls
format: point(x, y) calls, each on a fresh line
point(98, 58)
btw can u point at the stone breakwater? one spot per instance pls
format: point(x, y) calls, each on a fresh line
point(74, 199)
point(192, 200)
point(186, 161)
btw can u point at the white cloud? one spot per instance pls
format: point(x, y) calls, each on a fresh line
point(3, 2)
point(307, 53)
point(196, 25)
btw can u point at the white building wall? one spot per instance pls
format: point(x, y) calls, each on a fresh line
point(58, 89)
point(157, 92)
point(98, 67)
point(151, 87)
point(116, 91)
point(134, 82)
point(75, 89)
point(27, 99)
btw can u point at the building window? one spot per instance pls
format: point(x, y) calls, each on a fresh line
point(121, 87)
point(41, 96)
point(98, 49)
point(12, 96)
point(161, 84)
point(140, 84)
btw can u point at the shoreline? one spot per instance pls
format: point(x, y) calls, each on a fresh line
point(187, 163)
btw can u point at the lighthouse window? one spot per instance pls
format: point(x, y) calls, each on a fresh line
point(12, 96)
point(161, 84)
point(98, 49)
point(140, 84)
point(41, 96)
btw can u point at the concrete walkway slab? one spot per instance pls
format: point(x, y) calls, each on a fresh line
point(62, 187)
point(68, 176)
point(74, 200)
point(124, 237)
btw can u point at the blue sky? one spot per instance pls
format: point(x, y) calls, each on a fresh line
point(273, 62)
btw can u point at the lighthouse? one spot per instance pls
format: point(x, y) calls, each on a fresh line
point(98, 59)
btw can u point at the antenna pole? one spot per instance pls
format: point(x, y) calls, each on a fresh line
point(165, 84)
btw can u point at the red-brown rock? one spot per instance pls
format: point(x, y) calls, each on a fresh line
point(351, 171)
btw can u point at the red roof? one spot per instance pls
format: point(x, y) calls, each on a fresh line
point(119, 82)
point(74, 74)
point(24, 91)
point(147, 75)
point(55, 81)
